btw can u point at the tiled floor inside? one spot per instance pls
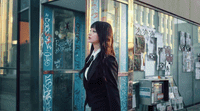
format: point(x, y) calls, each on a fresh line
point(194, 108)
point(191, 108)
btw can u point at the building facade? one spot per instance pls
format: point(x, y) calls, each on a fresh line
point(43, 44)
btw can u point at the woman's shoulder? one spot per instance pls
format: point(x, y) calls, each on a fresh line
point(110, 59)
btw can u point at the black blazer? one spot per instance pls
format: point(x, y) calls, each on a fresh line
point(101, 84)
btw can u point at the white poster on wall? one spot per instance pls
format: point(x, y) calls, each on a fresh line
point(187, 62)
point(160, 45)
point(159, 37)
point(142, 61)
point(197, 76)
point(149, 68)
point(167, 69)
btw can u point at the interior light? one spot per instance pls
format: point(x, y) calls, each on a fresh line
point(14, 42)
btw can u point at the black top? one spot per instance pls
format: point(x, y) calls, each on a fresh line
point(101, 84)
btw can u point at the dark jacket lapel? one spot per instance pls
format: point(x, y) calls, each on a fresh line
point(92, 68)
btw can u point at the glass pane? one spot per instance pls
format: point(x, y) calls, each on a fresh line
point(137, 14)
point(149, 20)
point(186, 57)
point(8, 42)
point(196, 45)
point(25, 104)
point(63, 39)
point(62, 92)
point(24, 4)
point(8, 51)
point(111, 14)
point(24, 41)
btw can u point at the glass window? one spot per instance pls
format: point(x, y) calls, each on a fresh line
point(8, 52)
point(68, 56)
point(180, 40)
point(8, 41)
point(24, 41)
point(24, 60)
point(63, 39)
point(62, 92)
point(187, 50)
point(196, 45)
point(24, 4)
point(138, 53)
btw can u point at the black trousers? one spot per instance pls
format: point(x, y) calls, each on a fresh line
point(100, 106)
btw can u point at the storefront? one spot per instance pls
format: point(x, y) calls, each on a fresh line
point(49, 39)
point(8, 52)
point(60, 74)
point(174, 42)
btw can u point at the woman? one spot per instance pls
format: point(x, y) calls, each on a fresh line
point(100, 72)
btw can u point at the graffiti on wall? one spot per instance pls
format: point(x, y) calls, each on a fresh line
point(47, 59)
point(47, 92)
point(47, 40)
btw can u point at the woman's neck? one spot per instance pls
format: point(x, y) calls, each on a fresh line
point(96, 47)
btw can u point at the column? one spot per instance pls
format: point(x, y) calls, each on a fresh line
point(152, 13)
point(136, 13)
point(47, 60)
point(160, 27)
point(146, 16)
point(123, 61)
point(4, 31)
point(10, 31)
point(166, 39)
point(141, 9)
point(170, 33)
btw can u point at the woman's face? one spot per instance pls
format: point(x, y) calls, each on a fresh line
point(93, 36)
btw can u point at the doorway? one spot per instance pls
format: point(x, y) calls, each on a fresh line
point(62, 54)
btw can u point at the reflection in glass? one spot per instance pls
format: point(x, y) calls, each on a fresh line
point(24, 4)
point(8, 51)
point(111, 14)
point(24, 46)
point(62, 92)
point(7, 41)
point(25, 104)
point(63, 39)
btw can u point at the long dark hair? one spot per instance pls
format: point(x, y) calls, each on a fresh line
point(105, 34)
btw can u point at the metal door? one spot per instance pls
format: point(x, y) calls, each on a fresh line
point(62, 56)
